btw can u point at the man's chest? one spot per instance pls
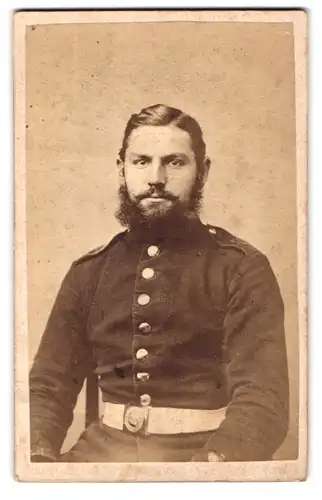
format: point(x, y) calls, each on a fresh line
point(173, 295)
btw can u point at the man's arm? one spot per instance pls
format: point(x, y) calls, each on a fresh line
point(256, 420)
point(58, 372)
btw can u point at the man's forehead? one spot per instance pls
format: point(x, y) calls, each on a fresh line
point(149, 139)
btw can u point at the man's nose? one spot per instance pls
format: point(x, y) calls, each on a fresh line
point(157, 174)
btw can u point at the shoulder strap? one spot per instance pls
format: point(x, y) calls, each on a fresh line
point(92, 399)
point(225, 239)
point(101, 249)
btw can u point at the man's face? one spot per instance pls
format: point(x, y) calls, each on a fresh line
point(159, 169)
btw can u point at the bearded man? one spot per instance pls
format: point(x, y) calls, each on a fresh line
point(181, 323)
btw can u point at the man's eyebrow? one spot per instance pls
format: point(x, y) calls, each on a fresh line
point(175, 155)
point(168, 157)
point(140, 155)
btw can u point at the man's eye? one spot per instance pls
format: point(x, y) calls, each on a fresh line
point(140, 162)
point(175, 162)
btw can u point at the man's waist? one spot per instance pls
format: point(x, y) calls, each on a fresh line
point(198, 394)
point(161, 420)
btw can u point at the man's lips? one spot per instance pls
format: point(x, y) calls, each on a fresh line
point(157, 197)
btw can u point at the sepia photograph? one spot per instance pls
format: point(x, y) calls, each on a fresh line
point(160, 246)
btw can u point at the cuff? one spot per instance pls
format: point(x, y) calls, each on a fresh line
point(235, 450)
point(42, 454)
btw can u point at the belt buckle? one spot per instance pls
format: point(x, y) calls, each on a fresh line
point(135, 417)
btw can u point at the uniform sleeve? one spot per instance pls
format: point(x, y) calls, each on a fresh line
point(256, 420)
point(57, 375)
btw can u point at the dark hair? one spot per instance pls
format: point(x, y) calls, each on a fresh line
point(161, 115)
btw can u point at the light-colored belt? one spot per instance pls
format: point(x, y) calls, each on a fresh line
point(161, 420)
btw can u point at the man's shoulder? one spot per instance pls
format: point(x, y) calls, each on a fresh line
point(227, 240)
point(100, 251)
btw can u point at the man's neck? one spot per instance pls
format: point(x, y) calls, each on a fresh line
point(185, 228)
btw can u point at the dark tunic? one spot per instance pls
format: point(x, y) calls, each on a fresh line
point(213, 329)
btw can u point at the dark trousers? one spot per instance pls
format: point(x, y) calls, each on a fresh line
point(100, 443)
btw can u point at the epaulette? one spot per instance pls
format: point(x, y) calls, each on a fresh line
point(227, 240)
point(101, 249)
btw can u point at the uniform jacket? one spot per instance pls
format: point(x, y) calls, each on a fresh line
point(208, 318)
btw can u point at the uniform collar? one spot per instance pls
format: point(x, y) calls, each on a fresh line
point(188, 230)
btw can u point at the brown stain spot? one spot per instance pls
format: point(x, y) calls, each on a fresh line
point(235, 221)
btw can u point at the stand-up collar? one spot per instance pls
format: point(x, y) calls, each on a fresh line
point(187, 230)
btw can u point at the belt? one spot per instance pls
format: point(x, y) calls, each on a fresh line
point(161, 420)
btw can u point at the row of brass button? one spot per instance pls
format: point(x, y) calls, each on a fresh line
point(144, 327)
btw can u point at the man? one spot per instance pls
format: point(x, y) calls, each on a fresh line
point(182, 323)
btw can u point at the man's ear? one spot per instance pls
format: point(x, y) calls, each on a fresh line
point(120, 167)
point(205, 170)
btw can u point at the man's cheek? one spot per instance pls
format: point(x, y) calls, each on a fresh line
point(135, 185)
point(133, 189)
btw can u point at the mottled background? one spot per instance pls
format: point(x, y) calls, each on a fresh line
point(84, 81)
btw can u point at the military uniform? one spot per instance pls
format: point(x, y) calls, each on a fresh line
point(190, 322)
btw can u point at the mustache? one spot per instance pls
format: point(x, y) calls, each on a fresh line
point(157, 193)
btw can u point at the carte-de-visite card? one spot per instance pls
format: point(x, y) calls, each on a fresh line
point(160, 245)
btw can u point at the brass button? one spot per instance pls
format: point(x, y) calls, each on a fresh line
point(143, 299)
point(141, 354)
point(147, 273)
point(153, 250)
point(145, 399)
point(142, 376)
point(145, 328)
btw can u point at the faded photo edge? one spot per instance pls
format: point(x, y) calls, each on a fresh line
point(265, 471)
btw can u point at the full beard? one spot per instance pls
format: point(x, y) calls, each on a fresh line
point(158, 219)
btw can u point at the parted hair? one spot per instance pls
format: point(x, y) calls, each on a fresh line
point(161, 115)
